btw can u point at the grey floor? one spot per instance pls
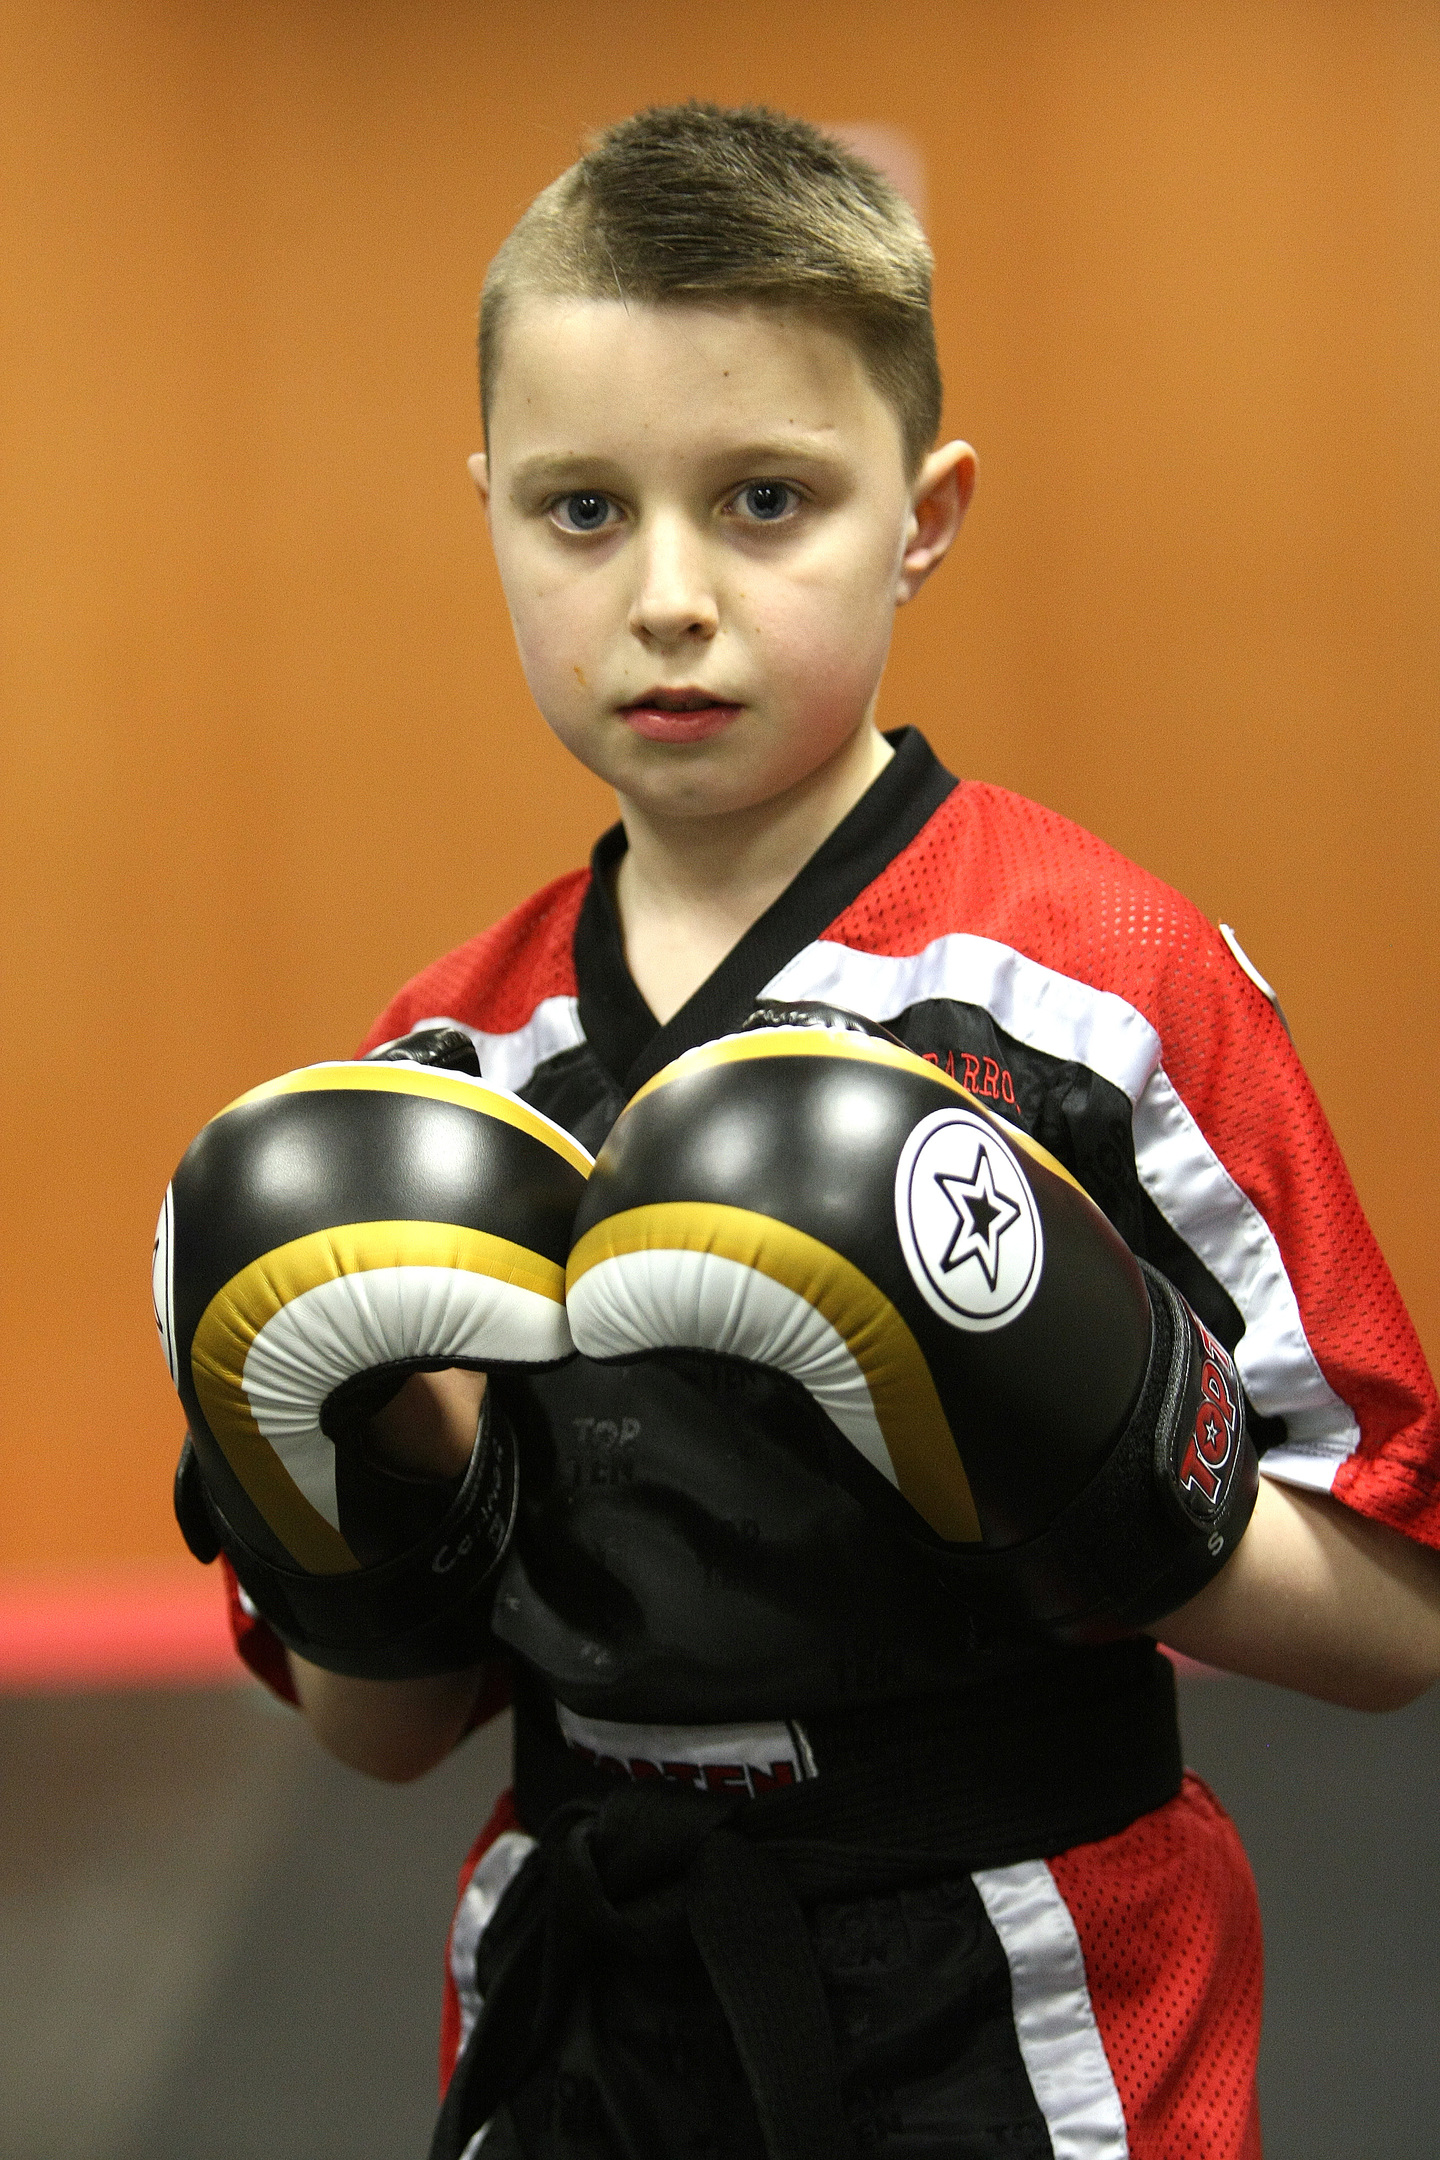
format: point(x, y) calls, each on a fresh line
point(216, 1945)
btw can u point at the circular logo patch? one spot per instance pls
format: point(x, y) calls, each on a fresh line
point(968, 1223)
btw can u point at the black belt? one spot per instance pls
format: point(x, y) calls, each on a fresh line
point(644, 1896)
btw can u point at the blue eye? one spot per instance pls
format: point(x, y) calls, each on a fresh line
point(767, 499)
point(584, 512)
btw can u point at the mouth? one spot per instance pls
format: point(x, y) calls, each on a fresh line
point(683, 715)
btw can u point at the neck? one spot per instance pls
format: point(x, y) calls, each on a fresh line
point(688, 888)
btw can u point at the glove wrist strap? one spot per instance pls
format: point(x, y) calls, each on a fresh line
point(425, 1611)
point(1161, 1516)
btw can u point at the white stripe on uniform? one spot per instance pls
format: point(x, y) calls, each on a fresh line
point(1202, 1202)
point(497, 1869)
point(1060, 2042)
point(508, 1060)
point(1064, 1018)
point(1035, 1004)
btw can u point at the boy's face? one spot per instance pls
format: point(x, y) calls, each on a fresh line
point(703, 526)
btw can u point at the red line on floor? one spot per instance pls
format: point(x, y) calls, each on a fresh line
point(115, 1629)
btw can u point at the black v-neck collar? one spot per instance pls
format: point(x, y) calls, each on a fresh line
point(620, 1027)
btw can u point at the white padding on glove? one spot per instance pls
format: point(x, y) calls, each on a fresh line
point(382, 1316)
point(634, 1302)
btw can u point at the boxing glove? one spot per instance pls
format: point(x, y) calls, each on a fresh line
point(327, 1235)
point(1004, 1380)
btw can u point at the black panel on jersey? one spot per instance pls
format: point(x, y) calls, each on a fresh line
point(627, 1038)
point(1079, 1116)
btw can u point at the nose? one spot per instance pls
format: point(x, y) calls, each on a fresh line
point(674, 601)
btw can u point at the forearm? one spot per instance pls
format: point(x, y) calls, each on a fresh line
point(1319, 1599)
point(391, 1729)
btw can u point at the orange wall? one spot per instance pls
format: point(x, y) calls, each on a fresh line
point(267, 748)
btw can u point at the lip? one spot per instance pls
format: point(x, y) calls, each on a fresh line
point(663, 723)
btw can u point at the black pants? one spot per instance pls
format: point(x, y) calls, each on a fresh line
point(928, 2064)
point(806, 1976)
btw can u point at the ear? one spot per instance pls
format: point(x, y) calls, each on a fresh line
point(939, 499)
point(479, 466)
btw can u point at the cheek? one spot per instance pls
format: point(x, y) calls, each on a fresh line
point(556, 636)
point(823, 630)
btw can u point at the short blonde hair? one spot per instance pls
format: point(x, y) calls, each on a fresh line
point(699, 203)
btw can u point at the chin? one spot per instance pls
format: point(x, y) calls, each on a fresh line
point(722, 773)
point(696, 794)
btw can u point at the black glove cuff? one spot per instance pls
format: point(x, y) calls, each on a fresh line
point(1161, 1516)
point(1187, 1441)
point(446, 1047)
point(426, 1611)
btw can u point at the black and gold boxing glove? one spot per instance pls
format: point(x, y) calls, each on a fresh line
point(1014, 1388)
point(327, 1235)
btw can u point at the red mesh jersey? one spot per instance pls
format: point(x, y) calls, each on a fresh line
point(1328, 1343)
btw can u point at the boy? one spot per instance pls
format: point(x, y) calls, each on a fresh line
point(710, 400)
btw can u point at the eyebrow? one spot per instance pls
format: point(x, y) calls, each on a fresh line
point(814, 447)
point(551, 468)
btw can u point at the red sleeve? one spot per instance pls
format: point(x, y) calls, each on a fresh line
point(1235, 1069)
point(1108, 965)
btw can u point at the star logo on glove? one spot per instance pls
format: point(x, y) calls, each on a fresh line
point(982, 1216)
point(962, 1195)
point(1213, 1433)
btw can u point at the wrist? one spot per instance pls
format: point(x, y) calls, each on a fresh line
point(428, 1549)
point(428, 1428)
